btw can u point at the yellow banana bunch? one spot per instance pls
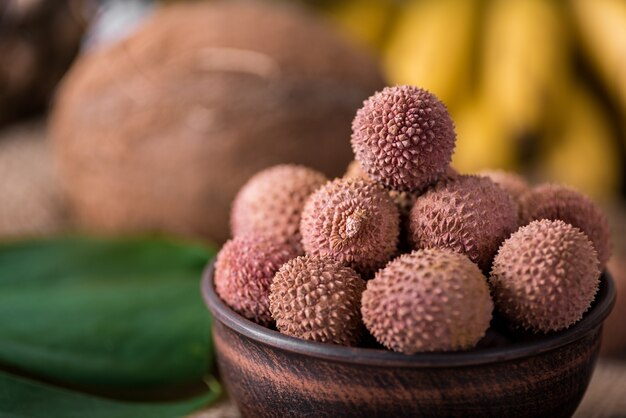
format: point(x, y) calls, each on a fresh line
point(431, 46)
point(602, 26)
point(519, 52)
point(366, 21)
point(584, 154)
point(525, 54)
point(482, 139)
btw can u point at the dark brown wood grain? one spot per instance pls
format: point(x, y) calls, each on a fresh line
point(272, 375)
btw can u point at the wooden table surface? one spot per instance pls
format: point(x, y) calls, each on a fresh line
point(606, 396)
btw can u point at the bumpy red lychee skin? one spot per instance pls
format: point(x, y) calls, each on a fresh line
point(428, 300)
point(404, 200)
point(404, 138)
point(354, 222)
point(552, 201)
point(449, 174)
point(469, 215)
point(545, 276)
point(513, 183)
point(271, 203)
point(319, 300)
point(244, 270)
point(355, 171)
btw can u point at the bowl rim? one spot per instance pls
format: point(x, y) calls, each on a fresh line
point(600, 309)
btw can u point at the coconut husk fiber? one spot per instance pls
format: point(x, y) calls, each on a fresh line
point(158, 132)
point(31, 200)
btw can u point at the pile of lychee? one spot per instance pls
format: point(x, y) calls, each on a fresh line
point(405, 248)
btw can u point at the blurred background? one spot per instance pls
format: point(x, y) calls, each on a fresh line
point(534, 86)
point(118, 117)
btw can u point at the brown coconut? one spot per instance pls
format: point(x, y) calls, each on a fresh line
point(159, 132)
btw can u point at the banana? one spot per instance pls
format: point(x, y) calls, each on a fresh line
point(482, 139)
point(585, 153)
point(431, 46)
point(525, 54)
point(364, 20)
point(602, 28)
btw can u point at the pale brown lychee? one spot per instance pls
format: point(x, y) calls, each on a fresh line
point(469, 215)
point(318, 300)
point(355, 171)
point(354, 222)
point(545, 276)
point(403, 137)
point(404, 200)
point(428, 300)
point(513, 183)
point(271, 203)
point(552, 201)
point(244, 271)
point(449, 174)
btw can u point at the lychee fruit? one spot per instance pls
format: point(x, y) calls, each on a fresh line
point(244, 270)
point(545, 276)
point(469, 215)
point(513, 183)
point(354, 222)
point(551, 201)
point(403, 137)
point(428, 300)
point(271, 203)
point(319, 300)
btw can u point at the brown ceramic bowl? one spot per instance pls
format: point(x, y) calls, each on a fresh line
point(269, 374)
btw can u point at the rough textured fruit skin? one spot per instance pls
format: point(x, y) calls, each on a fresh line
point(159, 131)
point(318, 300)
point(513, 183)
point(404, 200)
point(244, 271)
point(428, 300)
point(403, 137)
point(545, 276)
point(355, 171)
point(354, 222)
point(469, 215)
point(271, 203)
point(449, 174)
point(551, 201)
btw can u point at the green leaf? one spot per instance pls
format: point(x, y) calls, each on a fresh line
point(111, 313)
point(22, 398)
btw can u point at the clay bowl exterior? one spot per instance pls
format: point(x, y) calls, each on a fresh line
point(269, 374)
